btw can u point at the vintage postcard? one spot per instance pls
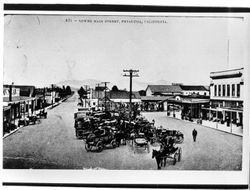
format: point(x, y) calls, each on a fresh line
point(135, 94)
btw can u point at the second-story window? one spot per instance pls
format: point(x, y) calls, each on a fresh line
point(223, 90)
point(228, 90)
point(219, 94)
point(215, 90)
point(233, 90)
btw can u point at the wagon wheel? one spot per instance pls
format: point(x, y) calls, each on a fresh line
point(179, 154)
point(113, 143)
point(77, 135)
point(87, 147)
point(175, 158)
point(181, 139)
point(99, 146)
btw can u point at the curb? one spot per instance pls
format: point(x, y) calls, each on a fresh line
point(12, 132)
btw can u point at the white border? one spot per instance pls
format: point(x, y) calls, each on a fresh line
point(139, 176)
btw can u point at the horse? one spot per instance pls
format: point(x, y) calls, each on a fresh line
point(120, 136)
point(132, 137)
point(160, 158)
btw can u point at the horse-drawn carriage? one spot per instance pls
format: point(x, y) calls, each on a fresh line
point(32, 119)
point(82, 125)
point(167, 150)
point(99, 139)
point(140, 141)
point(82, 129)
point(161, 156)
point(42, 114)
point(177, 136)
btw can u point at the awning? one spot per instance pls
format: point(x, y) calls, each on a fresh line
point(189, 101)
point(6, 108)
point(224, 109)
point(17, 99)
point(154, 98)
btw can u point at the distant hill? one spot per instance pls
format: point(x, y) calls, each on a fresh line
point(121, 84)
point(76, 84)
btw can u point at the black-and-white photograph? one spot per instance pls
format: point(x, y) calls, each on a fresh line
point(125, 91)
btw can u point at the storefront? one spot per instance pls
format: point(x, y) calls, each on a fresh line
point(228, 116)
point(189, 107)
point(19, 108)
point(154, 103)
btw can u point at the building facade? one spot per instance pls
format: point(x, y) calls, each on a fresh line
point(18, 102)
point(163, 90)
point(226, 97)
point(188, 90)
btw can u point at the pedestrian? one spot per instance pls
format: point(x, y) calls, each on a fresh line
point(194, 133)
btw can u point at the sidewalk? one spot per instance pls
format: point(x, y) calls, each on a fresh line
point(36, 112)
point(214, 125)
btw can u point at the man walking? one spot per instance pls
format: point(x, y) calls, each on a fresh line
point(194, 133)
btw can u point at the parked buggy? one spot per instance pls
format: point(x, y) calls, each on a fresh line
point(23, 122)
point(99, 139)
point(82, 125)
point(33, 119)
point(42, 114)
point(140, 141)
point(165, 133)
point(82, 129)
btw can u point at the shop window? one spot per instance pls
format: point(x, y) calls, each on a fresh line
point(228, 90)
point(238, 90)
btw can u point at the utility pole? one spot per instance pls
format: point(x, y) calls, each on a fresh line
point(86, 89)
point(98, 85)
point(130, 73)
point(43, 104)
point(10, 100)
point(10, 91)
point(52, 89)
point(105, 95)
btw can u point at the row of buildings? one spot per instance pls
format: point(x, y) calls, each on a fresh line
point(21, 101)
point(221, 101)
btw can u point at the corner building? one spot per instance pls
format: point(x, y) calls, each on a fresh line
point(226, 97)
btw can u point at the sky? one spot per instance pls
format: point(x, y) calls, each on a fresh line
point(45, 49)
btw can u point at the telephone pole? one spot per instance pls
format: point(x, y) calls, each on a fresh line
point(105, 95)
point(98, 87)
point(130, 73)
point(85, 99)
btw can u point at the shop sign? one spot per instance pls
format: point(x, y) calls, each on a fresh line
point(15, 92)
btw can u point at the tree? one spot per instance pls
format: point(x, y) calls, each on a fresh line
point(142, 92)
point(82, 93)
point(68, 90)
point(115, 88)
